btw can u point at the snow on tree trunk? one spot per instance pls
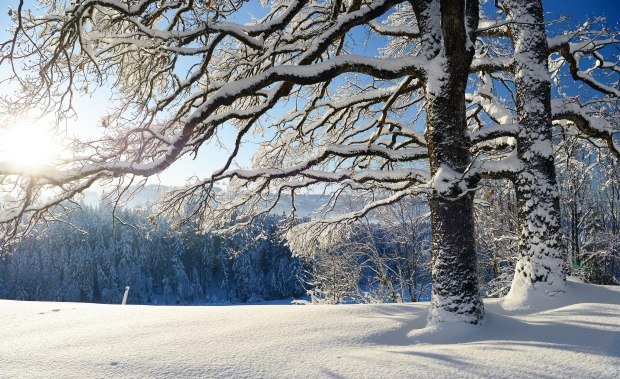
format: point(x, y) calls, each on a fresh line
point(540, 268)
point(455, 296)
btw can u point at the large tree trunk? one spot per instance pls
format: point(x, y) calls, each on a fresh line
point(455, 295)
point(540, 269)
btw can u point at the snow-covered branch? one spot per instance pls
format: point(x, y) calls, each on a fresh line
point(584, 119)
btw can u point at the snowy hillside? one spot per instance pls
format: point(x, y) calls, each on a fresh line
point(306, 205)
point(578, 337)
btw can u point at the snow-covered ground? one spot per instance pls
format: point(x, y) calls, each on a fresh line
point(577, 335)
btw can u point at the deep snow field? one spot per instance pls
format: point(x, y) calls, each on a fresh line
point(576, 335)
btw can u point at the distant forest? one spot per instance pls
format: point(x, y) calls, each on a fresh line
point(90, 258)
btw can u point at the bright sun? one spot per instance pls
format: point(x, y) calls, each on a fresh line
point(29, 145)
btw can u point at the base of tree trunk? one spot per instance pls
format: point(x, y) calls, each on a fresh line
point(525, 294)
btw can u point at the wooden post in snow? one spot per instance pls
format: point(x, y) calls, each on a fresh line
point(125, 296)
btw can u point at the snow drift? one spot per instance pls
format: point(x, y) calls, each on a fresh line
point(575, 335)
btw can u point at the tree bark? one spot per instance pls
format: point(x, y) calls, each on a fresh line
point(455, 294)
point(541, 256)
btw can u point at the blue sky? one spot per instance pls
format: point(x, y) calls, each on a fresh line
point(211, 157)
point(581, 9)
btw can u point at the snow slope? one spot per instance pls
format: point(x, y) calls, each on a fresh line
point(577, 335)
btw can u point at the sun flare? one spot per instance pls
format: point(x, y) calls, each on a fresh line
point(30, 145)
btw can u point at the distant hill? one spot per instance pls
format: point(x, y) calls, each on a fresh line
point(307, 205)
point(148, 194)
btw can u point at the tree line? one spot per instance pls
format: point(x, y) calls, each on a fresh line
point(387, 258)
point(91, 258)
